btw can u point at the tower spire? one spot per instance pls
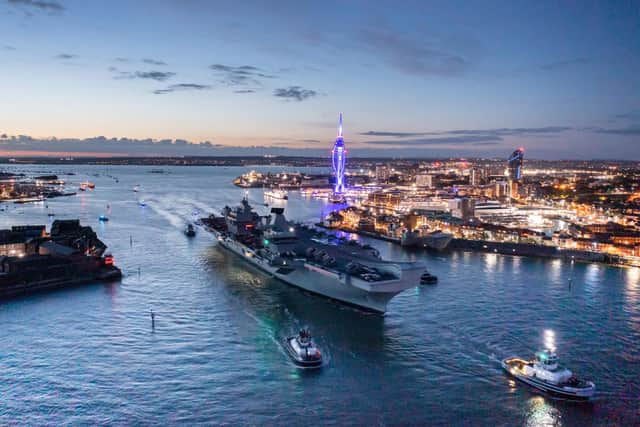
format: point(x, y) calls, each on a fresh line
point(338, 160)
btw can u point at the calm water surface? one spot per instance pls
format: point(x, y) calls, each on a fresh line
point(88, 355)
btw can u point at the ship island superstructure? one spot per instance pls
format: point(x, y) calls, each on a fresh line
point(301, 256)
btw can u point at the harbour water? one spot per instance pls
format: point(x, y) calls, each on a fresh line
point(88, 355)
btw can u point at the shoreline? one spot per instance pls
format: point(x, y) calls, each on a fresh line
point(507, 248)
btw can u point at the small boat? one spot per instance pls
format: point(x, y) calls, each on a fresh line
point(276, 194)
point(142, 204)
point(428, 278)
point(190, 230)
point(103, 218)
point(303, 350)
point(82, 189)
point(51, 214)
point(337, 199)
point(87, 184)
point(544, 373)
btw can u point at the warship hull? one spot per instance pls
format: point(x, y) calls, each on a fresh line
point(372, 297)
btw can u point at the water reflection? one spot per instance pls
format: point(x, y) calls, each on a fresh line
point(555, 270)
point(540, 413)
point(490, 262)
point(632, 296)
point(592, 277)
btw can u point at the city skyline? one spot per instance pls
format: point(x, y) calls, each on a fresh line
point(425, 81)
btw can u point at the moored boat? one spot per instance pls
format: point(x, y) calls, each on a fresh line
point(276, 194)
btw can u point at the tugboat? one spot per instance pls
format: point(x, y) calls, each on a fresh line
point(428, 278)
point(545, 374)
point(190, 231)
point(303, 350)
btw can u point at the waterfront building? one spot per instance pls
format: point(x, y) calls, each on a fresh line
point(338, 160)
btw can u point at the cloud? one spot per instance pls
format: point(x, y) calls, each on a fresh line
point(243, 75)
point(511, 131)
point(45, 5)
point(630, 115)
point(295, 93)
point(159, 76)
point(484, 132)
point(618, 131)
point(121, 59)
point(65, 56)
point(394, 134)
point(454, 140)
point(181, 87)
point(244, 91)
point(151, 61)
point(417, 57)
point(8, 47)
point(103, 145)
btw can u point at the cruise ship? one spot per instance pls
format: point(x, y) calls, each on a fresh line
point(300, 256)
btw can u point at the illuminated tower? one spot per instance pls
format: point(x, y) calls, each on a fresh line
point(338, 160)
point(514, 165)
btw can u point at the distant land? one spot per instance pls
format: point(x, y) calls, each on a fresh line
point(296, 161)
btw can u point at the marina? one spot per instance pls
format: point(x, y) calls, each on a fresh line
point(319, 213)
point(224, 322)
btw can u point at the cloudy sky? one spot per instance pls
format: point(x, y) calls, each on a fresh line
point(423, 78)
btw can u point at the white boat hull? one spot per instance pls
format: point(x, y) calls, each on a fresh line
point(564, 391)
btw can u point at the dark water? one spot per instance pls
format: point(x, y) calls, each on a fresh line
point(88, 355)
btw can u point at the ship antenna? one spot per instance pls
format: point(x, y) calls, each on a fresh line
point(340, 127)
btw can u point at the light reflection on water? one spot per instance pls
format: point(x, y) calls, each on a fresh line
point(540, 413)
point(88, 356)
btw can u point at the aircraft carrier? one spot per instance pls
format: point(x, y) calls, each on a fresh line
point(301, 256)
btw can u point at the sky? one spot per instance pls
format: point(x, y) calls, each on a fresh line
point(412, 78)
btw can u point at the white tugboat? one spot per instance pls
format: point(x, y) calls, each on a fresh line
point(303, 350)
point(544, 373)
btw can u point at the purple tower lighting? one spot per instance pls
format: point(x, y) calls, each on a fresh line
point(338, 160)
